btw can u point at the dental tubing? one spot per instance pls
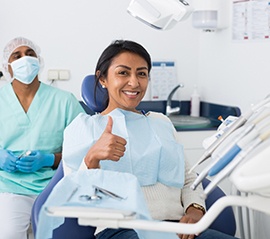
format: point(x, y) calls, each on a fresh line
point(207, 154)
point(221, 150)
point(236, 161)
point(235, 149)
point(235, 125)
point(236, 137)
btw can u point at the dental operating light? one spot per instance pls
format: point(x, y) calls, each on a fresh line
point(160, 14)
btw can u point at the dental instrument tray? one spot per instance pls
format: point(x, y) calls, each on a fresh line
point(127, 219)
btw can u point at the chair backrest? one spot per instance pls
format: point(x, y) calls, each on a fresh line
point(94, 96)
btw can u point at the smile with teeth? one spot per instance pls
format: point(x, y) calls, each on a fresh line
point(131, 92)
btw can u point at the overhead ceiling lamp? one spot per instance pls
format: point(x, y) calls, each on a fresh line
point(160, 14)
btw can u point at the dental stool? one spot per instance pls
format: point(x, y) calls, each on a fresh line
point(70, 229)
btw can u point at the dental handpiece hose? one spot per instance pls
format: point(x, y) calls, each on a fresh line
point(262, 120)
point(207, 154)
point(236, 124)
point(233, 151)
point(258, 129)
point(205, 171)
point(236, 161)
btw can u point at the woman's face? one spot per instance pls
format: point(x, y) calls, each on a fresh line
point(126, 82)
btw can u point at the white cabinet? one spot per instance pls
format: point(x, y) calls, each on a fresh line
point(192, 142)
point(193, 150)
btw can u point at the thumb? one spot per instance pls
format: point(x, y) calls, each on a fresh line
point(109, 125)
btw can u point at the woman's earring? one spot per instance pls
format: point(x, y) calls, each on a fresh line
point(103, 86)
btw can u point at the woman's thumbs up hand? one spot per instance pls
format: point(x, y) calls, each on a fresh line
point(107, 147)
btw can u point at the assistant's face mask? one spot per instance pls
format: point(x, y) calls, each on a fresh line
point(25, 69)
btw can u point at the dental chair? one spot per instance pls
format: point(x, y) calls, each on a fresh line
point(225, 222)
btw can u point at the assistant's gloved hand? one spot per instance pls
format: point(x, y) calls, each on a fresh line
point(7, 160)
point(35, 161)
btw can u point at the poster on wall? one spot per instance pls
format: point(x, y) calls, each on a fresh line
point(163, 79)
point(251, 20)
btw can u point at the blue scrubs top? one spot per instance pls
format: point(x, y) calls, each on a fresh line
point(41, 128)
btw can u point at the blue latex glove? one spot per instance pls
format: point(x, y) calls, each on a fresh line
point(35, 161)
point(7, 161)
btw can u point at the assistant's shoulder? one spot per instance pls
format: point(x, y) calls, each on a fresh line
point(55, 91)
point(57, 94)
point(5, 87)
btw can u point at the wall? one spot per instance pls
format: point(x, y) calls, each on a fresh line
point(235, 73)
point(72, 34)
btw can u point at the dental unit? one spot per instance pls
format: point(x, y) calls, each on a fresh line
point(235, 125)
point(233, 151)
point(219, 155)
point(231, 141)
point(236, 161)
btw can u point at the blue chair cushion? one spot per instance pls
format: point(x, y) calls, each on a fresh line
point(225, 222)
point(94, 96)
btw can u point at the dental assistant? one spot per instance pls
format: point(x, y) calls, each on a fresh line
point(121, 138)
point(33, 116)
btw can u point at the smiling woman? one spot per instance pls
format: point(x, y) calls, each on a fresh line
point(125, 140)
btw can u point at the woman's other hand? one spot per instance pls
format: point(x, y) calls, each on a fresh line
point(192, 215)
